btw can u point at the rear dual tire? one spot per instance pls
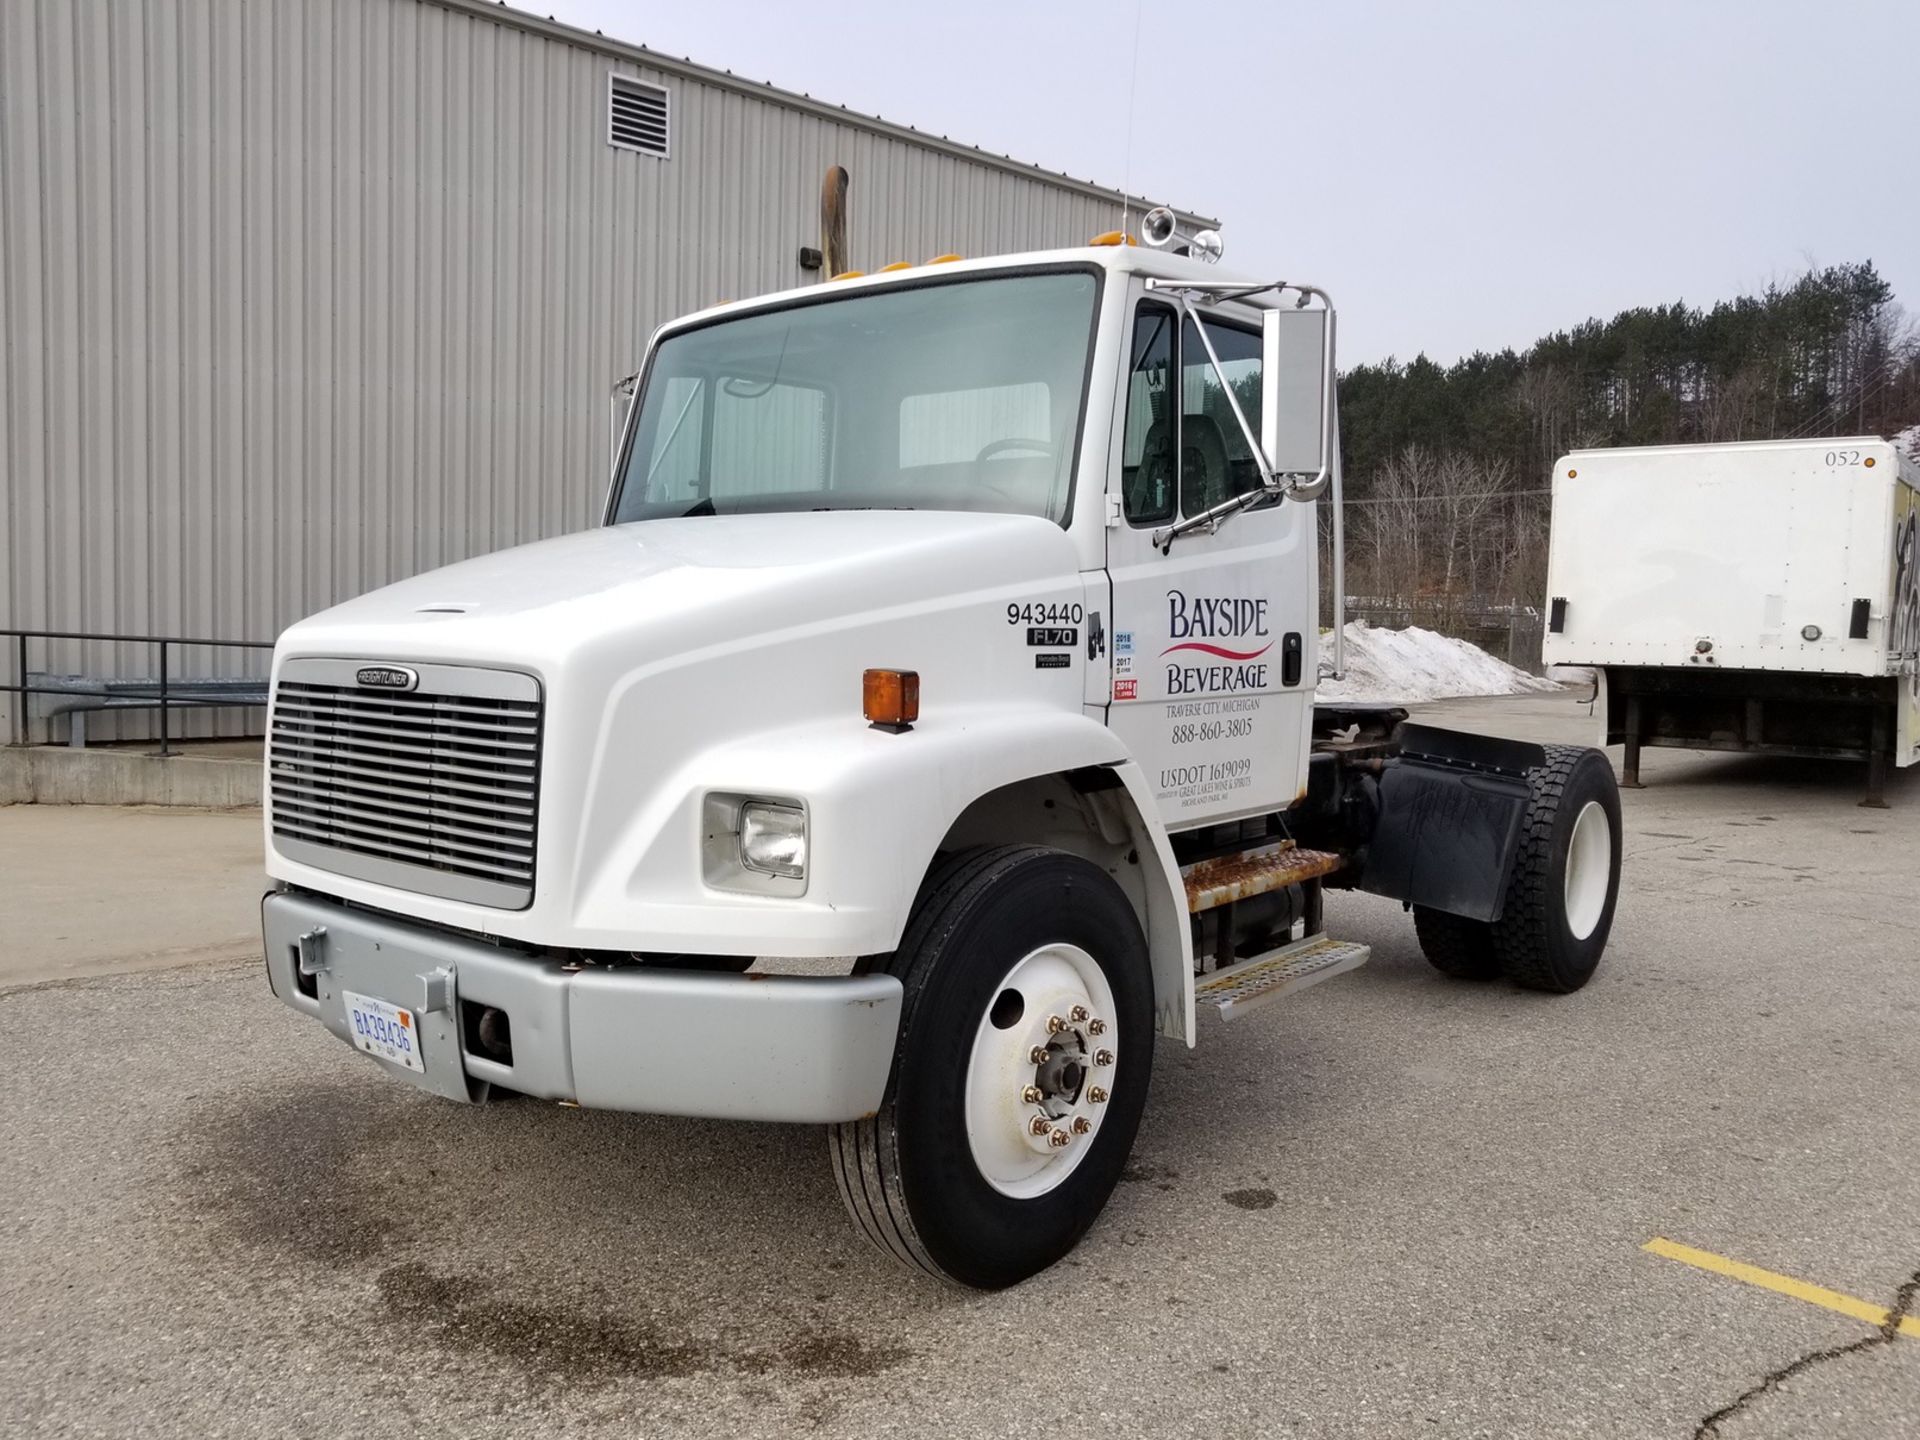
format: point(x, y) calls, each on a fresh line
point(1561, 895)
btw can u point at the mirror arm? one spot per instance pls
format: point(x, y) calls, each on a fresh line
point(1270, 482)
point(1207, 519)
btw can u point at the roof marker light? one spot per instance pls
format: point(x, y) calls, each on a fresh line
point(1112, 237)
point(888, 269)
point(850, 275)
point(947, 259)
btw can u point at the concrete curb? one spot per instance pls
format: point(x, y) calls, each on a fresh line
point(58, 775)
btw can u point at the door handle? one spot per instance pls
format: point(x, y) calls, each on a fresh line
point(1096, 637)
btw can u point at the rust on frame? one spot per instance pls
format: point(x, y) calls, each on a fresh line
point(1226, 878)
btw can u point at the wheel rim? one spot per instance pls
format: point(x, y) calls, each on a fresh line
point(1589, 869)
point(1041, 1071)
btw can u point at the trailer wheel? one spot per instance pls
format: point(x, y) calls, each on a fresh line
point(1456, 946)
point(1026, 1045)
point(1566, 877)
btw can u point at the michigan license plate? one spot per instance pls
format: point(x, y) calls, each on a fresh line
point(384, 1030)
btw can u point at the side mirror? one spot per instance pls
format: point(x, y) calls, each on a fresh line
point(1297, 399)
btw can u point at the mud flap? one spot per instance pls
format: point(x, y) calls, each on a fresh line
point(1451, 806)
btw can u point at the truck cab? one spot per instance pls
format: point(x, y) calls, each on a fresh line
point(928, 727)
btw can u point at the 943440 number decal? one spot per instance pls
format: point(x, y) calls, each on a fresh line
point(1044, 613)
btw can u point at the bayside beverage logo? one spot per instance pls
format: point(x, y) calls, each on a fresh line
point(1231, 631)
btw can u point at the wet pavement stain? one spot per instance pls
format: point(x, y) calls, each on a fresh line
point(1257, 1199)
point(285, 1174)
point(555, 1344)
point(1161, 1177)
point(306, 1180)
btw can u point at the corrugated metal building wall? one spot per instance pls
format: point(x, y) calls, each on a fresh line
point(302, 296)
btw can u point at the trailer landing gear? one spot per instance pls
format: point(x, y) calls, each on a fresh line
point(1630, 761)
point(1876, 798)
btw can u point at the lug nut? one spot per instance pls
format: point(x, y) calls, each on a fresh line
point(1078, 1014)
point(1055, 1024)
point(1096, 1095)
point(1081, 1124)
point(1103, 1057)
point(1031, 1095)
point(1038, 1054)
point(1059, 1139)
point(1097, 1027)
point(1039, 1125)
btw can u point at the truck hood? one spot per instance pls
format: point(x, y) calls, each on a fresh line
point(693, 582)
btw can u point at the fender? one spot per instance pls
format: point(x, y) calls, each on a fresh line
point(878, 805)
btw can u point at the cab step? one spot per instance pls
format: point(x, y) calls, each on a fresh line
point(1286, 971)
point(1226, 878)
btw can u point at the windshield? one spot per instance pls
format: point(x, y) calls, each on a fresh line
point(956, 396)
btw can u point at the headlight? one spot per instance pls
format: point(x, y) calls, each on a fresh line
point(773, 839)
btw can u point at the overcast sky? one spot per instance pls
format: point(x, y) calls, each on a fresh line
point(1461, 176)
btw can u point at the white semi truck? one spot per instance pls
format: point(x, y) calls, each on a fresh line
point(951, 636)
point(1757, 597)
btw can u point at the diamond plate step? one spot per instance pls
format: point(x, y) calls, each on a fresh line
point(1286, 971)
point(1226, 878)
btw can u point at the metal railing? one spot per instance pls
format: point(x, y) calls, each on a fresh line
point(166, 692)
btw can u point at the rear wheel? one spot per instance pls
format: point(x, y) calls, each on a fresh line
point(1026, 1045)
point(1456, 946)
point(1566, 877)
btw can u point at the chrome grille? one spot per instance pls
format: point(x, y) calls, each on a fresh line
point(434, 789)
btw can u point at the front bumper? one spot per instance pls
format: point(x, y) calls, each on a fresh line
point(812, 1049)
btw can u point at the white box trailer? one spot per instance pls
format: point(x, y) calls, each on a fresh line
point(1755, 597)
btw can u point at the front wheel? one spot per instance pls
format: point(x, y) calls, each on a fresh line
point(1026, 1046)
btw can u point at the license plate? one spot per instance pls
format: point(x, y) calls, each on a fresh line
point(384, 1030)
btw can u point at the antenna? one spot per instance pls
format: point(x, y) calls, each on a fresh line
point(1133, 85)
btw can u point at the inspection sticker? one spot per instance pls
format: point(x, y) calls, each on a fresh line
point(1126, 689)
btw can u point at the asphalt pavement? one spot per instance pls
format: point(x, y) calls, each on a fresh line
point(1394, 1206)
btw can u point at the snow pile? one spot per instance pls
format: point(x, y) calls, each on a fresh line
point(1908, 440)
point(1416, 664)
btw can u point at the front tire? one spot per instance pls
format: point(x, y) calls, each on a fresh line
point(1025, 1051)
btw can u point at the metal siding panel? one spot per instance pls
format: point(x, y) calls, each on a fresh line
point(193, 595)
point(15, 334)
point(66, 556)
point(302, 295)
point(261, 463)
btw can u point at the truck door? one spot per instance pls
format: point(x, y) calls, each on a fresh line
point(1214, 636)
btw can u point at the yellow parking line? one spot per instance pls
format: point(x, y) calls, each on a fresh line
point(1783, 1284)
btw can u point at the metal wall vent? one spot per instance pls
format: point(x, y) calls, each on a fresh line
point(637, 115)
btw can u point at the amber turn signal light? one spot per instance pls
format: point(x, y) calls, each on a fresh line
point(890, 699)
